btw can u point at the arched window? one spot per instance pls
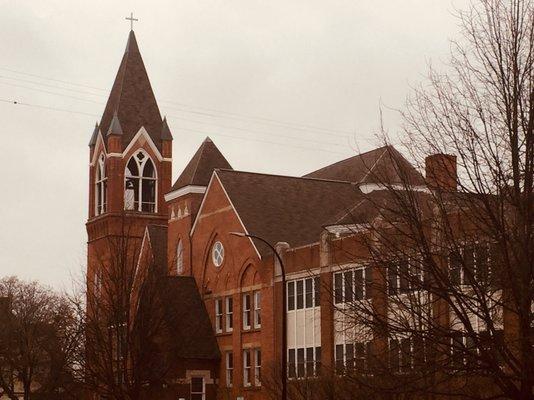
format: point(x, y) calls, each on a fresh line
point(180, 258)
point(100, 186)
point(140, 185)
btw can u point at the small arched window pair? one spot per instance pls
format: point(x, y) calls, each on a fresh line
point(100, 186)
point(140, 184)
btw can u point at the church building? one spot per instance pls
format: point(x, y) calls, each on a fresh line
point(209, 235)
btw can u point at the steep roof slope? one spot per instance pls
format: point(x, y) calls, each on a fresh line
point(198, 171)
point(132, 98)
point(288, 209)
point(382, 165)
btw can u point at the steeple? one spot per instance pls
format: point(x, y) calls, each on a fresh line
point(132, 100)
point(92, 142)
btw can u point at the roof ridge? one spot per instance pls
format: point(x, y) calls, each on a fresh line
point(309, 178)
point(349, 158)
point(374, 165)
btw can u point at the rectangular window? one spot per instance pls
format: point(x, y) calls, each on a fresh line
point(257, 309)
point(229, 314)
point(247, 366)
point(198, 389)
point(338, 288)
point(291, 364)
point(310, 361)
point(317, 361)
point(229, 369)
point(348, 284)
point(218, 315)
point(340, 362)
point(317, 289)
point(405, 355)
point(246, 311)
point(300, 295)
point(309, 292)
point(359, 290)
point(403, 271)
point(394, 359)
point(290, 296)
point(257, 367)
point(392, 279)
point(301, 366)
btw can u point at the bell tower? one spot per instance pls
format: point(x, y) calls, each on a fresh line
point(130, 158)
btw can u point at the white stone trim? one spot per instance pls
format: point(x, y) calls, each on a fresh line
point(185, 190)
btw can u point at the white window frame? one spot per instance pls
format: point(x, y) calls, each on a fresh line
point(203, 393)
point(316, 287)
point(257, 367)
point(229, 313)
point(229, 360)
point(247, 312)
point(257, 309)
point(217, 254)
point(366, 270)
point(315, 362)
point(140, 168)
point(101, 181)
point(218, 315)
point(247, 368)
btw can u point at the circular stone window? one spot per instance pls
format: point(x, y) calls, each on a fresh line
point(217, 254)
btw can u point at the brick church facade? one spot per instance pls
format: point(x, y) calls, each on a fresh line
point(230, 286)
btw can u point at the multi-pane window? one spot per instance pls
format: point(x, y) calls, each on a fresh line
point(304, 362)
point(257, 309)
point(257, 367)
point(472, 263)
point(229, 313)
point(218, 315)
point(198, 389)
point(101, 186)
point(352, 356)
point(252, 310)
point(246, 311)
point(229, 368)
point(351, 285)
point(407, 353)
point(140, 184)
point(247, 368)
point(404, 275)
point(303, 293)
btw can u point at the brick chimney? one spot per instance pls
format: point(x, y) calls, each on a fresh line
point(441, 172)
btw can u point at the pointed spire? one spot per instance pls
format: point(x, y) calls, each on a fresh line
point(132, 98)
point(94, 136)
point(165, 131)
point(208, 140)
point(115, 126)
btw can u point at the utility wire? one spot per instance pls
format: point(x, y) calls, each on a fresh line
point(223, 114)
point(15, 102)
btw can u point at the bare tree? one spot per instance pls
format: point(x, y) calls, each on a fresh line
point(445, 291)
point(37, 342)
point(123, 318)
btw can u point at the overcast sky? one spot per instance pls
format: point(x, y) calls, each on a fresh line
point(281, 86)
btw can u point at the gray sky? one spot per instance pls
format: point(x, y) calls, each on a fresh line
point(227, 69)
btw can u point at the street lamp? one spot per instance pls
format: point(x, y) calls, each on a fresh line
point(284, 307)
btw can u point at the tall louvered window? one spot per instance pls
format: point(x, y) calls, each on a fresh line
point(100, 186)
point(140, 184)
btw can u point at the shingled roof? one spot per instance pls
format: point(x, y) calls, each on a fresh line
point(132, 98)
point(382, 165)
point(199, 170)
point(288, 209)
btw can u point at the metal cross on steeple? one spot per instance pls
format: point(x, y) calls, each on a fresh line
point(131, 19)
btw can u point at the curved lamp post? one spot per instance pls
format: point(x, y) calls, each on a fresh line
point(284, 307)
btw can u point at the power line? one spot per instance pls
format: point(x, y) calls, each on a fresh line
point(15, 102)
point(49, 92)
point(223, 114)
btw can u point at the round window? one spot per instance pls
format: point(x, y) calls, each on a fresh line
point(217, 254)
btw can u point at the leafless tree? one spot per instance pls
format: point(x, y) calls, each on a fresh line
point(124, 320)
point(445, 289)
point(38, 338)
